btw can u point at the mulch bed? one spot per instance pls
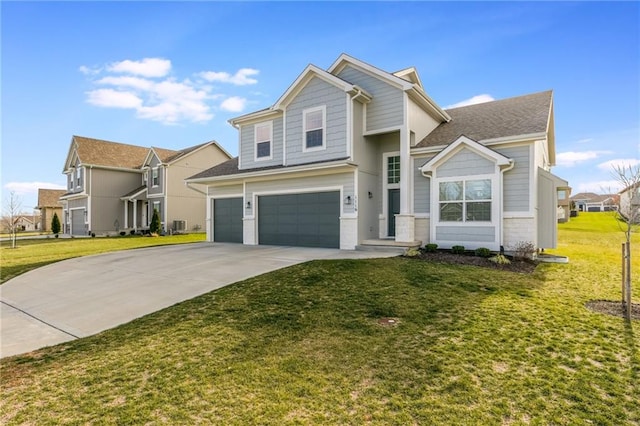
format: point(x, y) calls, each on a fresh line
point(521, 266)
point(614, 308)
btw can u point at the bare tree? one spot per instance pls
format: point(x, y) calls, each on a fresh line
point(11, 216)
point(628, 216)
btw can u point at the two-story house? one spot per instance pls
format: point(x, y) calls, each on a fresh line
point(114, 187)
point(49, 204)
point(355, 155)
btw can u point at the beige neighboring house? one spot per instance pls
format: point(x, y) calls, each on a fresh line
point(24, 223)
point(564, 204)
point(591, 202)
point(113, 187)
point(48, 204)
point(630, 203)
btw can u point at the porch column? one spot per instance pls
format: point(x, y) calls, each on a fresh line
point(405, 226)
point(126, 216)
point(135, 215)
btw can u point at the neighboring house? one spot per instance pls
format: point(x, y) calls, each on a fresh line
point(48, 204)
point(591, 202)
point(114, 187)
point(23, 223)
point(630, 202)
point(564, 204)
point(355, 155)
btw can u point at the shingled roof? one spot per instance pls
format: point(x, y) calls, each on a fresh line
point(109, 154)
point(230, 167)
point(49, 198)
point(168, 155)
point(520, 115)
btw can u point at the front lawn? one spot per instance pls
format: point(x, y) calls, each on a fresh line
point(34, 253)
point(310, 344)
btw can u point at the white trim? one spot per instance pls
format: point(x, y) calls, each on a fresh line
point(256, 141)
point(154, 170)
point(284, 138)
point(349, 129)
point(379, 131)
point(307, 74)
point(461, 143)
point(344, 60)
point(305, 112)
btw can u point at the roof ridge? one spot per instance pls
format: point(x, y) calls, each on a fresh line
point(502, 99)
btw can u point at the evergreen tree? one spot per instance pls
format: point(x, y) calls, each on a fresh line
point(154, 227)
point(55, 224)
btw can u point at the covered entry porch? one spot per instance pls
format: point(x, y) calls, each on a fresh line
point(135, 210)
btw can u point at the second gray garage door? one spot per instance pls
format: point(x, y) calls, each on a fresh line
point(77, 222)
point(227, 220)
point(306, 220)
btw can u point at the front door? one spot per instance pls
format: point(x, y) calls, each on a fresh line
point(145, 206)
point(394, 209)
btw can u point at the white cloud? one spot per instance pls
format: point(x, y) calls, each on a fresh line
point(233, 104)
point(240, 78)
point(24, 188)
point(148, 67)
point(598, 187)
point(621, 162)
point(571, 158)
point(145, 87)
point(113, 99)
point(478, 99)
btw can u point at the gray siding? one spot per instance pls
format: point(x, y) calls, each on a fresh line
point(386, 109)
point(224, 191)
point(466, 163)
point(421, 187)
point(247, 145)
point(304, 184)
point(517, 182)
point(317, 93)
point(466, 233)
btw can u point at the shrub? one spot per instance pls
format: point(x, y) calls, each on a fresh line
point(500, 259)
point(431, 248)
point(154, 226)
point(122, 233)
point(411, 252)
point(523, 250)
point(457, 249)
point(132, 232)
point(93, 235)
point(55, 224)
point(483, 252)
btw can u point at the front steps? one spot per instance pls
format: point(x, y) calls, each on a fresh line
point(387, 245)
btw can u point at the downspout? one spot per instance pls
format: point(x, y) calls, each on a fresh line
point(501, 191)
point(89, 212)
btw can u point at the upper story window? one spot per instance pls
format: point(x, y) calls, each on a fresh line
point(263, 137)
point(393, 169)
point(78, 176)
point(314, 125)
point(465, 200)
point(145, 177)
point(155, 180)
point(562, 194)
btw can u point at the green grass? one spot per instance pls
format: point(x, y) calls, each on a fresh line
point(303, 346)
point(31, 254)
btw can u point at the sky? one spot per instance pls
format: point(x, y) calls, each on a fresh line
point(171, 75)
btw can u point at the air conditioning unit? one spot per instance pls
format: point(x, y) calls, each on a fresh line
point(179, 225)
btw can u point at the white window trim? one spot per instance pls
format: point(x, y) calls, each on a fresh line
point(385, 191)
point(256, 141)
point(495, 200)
point(322, 108)
point(153, 184)
point(77, 178)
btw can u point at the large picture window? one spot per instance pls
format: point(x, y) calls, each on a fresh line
point(465, 200)
point(314, 127)
point(263, 140)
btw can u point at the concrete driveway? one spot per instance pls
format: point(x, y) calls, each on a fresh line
point(80, 297)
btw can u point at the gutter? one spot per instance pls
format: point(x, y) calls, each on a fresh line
point(188, 185)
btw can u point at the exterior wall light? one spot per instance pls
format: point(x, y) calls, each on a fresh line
point(248, 204)
point(348, 200)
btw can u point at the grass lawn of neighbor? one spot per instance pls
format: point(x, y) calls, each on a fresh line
point(313, 344)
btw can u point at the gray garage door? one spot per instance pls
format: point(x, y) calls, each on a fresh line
point(227, 220)
point(77, 222)
point(307, 220)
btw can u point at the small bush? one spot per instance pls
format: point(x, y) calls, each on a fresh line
point(431, 248)
point(457, 249)
point(411, 252)
point(132, 232)
point(523, 250)
point(55, 224)
point(483, 252)
point(93, 235)
point(122, 233)
point(500, 259)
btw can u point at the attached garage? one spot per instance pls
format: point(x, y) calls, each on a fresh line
point(227, 220)
point(77, 222)
point(305, 220)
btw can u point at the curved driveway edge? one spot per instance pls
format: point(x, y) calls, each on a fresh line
point(83, 296)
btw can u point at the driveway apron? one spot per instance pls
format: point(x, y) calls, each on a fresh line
point(84, 296)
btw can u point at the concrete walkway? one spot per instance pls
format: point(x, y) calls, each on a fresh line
point(83, 296)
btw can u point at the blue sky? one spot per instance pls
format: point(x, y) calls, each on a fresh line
point(171, 74)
